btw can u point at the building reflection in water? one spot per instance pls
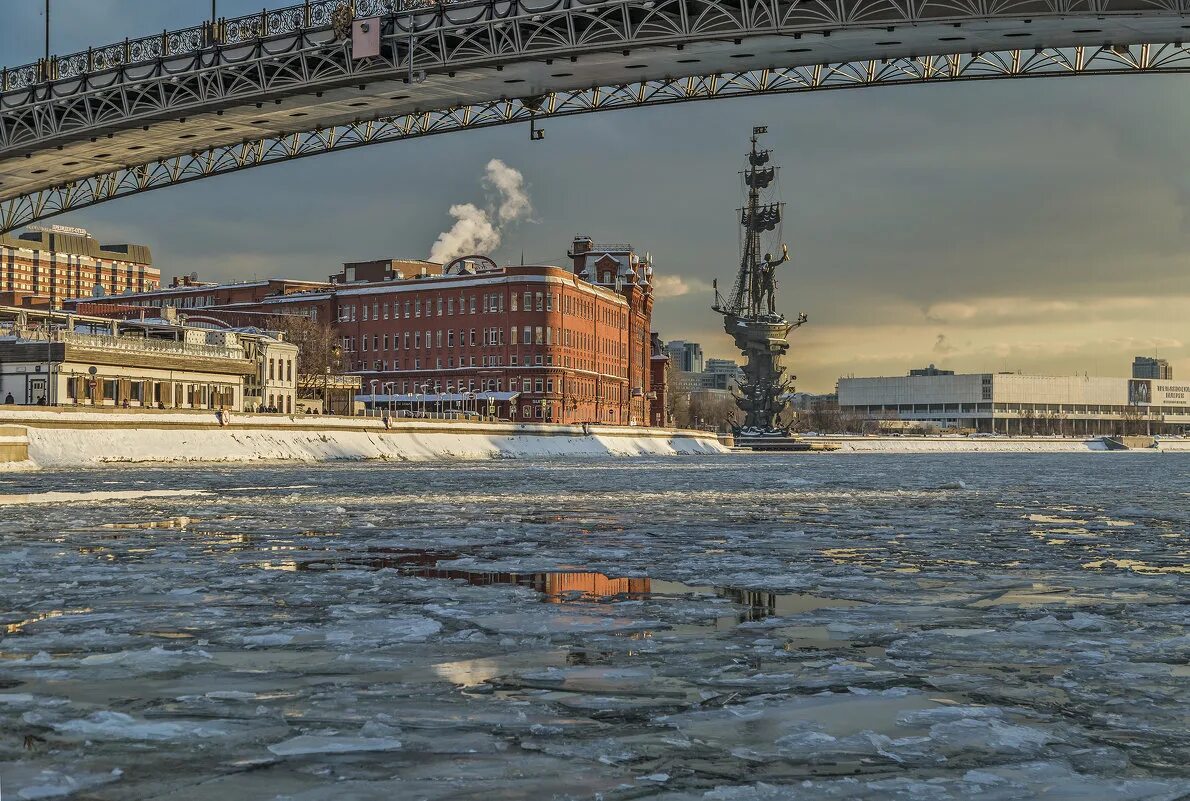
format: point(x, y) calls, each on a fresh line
point(557, 587)
point(571, 585)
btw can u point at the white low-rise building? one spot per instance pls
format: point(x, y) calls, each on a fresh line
point(1012, 403)
point(56, 359)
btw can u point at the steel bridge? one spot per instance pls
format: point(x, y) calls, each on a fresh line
point(179, 106)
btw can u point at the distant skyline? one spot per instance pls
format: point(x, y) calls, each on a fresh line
point(1039, 226)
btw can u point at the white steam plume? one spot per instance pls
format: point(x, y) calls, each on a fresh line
point(479, 230)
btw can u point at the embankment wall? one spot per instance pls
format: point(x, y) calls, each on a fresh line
point(68, 438)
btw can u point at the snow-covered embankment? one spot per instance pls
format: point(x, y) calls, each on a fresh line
point(68, 438)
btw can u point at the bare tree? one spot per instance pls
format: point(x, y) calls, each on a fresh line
point(318, 347)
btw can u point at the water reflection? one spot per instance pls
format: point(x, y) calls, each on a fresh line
point(569, 585)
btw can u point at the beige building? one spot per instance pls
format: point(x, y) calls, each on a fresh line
point(71, 360)
point(1011, 403)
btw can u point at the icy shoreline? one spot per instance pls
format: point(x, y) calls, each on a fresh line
point(989, 445)
point(69, 438)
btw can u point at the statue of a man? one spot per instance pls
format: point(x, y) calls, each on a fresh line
point(768, 278)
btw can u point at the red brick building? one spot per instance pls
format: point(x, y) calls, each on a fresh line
point(542, 342)
point(659, 381)
point(189, 295)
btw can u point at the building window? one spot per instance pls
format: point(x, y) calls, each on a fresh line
point(538, 335)
point(406, 336)
point(289, 370)
point(472, 306)
point(549, 385)
point(540, 302)
point(439, 307)
point(512, 358)
point(438, 338)
point(386, 338)
point(386, 311)
point(450, 305)
point(512, 300)
point(471, 340)
point(450, 338)
point(537, 385)
point(417, 339)
point(271, 369)
point(528, 301)
point(406, 310)
point(375, 311)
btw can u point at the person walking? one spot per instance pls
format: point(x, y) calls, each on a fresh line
point(9, 400)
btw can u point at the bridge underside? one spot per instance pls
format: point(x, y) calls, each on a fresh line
point(83, 140)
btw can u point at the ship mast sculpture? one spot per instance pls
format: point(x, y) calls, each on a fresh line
point(750, 313)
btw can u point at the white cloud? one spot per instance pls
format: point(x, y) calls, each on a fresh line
point(675, 286)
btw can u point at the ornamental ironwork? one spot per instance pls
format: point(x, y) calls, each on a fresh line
point(67, 196)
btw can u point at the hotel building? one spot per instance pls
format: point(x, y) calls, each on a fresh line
point(44, 267)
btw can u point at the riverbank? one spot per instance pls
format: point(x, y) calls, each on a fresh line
point(956, 444)
point(82, 438)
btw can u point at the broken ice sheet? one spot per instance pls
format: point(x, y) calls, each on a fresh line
point(560, 630)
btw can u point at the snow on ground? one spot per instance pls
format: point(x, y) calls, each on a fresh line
point(180, 437)
point(941, 627)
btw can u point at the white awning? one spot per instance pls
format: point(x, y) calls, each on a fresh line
point(444, 397)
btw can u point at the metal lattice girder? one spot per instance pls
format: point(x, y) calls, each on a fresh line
point(138, 178)
point(265, 56)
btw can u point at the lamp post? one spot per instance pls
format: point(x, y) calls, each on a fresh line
point(374, 382)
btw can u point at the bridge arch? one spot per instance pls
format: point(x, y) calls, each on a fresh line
point(119, 120)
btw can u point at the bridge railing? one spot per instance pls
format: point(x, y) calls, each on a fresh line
point(224, 32)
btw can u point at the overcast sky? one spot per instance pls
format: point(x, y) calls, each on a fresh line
point(1033, 225)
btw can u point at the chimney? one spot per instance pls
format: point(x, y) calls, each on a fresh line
point(578, 250)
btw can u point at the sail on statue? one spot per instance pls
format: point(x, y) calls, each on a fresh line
point(749, 312)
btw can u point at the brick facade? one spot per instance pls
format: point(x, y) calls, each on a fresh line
point(554, 344)
point(47, 268)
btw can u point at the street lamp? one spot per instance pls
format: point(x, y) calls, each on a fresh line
point(373, 382)
point(389, 389)
point(424, 390)
point(332, 355)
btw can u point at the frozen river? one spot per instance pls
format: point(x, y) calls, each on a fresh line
point(730, 628)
